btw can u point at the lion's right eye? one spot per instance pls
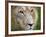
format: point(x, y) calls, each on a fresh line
point(20, 11)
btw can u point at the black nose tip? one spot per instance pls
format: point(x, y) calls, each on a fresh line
point(30, 24)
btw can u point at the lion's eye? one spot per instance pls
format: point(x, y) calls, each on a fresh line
point(21, 11)
point(32, 10)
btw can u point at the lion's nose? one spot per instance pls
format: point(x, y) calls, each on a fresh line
point(30, 24)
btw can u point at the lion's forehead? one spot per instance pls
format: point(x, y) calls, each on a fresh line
point(25, 8)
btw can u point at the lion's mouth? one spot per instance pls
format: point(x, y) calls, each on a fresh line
point(29, 26)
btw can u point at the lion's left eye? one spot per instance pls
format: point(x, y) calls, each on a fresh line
point(32, 10)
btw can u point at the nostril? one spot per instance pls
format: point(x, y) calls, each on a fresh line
point(30, 24)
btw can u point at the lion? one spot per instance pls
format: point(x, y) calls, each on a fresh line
point(24, 17)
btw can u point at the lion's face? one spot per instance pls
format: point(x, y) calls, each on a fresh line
point(25, 17)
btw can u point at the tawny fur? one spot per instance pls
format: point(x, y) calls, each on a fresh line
point(23, 16)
